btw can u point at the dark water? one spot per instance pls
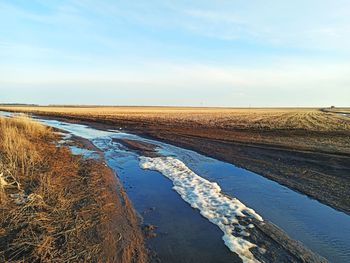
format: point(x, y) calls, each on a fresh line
point(184, 235)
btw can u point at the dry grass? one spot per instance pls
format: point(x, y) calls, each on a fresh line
point(19, 153)
point(56, 207)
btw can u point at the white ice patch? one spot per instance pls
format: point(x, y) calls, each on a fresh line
point(206, 196)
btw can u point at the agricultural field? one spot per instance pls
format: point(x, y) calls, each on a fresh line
point(297, 128)
point(311, 119)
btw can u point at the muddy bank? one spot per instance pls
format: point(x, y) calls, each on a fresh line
point(123, 239)
point(141, 148)
point(279, 246)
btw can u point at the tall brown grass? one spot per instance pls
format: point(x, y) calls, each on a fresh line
point(19, 153)
point(56, 207)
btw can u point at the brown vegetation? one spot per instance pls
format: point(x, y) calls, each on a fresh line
point(56, 207)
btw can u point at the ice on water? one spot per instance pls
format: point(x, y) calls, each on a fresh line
point(206, 196)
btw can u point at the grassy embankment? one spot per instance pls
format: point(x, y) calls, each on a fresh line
point(56, 207)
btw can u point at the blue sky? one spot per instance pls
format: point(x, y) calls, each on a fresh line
point(210, 53)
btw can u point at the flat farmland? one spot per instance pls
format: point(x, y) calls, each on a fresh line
point(297, 128)
point(311, 119)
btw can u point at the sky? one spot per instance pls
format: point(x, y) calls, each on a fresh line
point(233, 53)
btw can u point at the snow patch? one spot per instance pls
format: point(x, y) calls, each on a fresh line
point(206, 196)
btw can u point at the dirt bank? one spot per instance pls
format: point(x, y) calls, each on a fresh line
point(142, 148)
point(57, 207)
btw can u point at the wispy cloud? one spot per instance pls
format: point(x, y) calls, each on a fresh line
point(315, 27)
point(220, 24)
